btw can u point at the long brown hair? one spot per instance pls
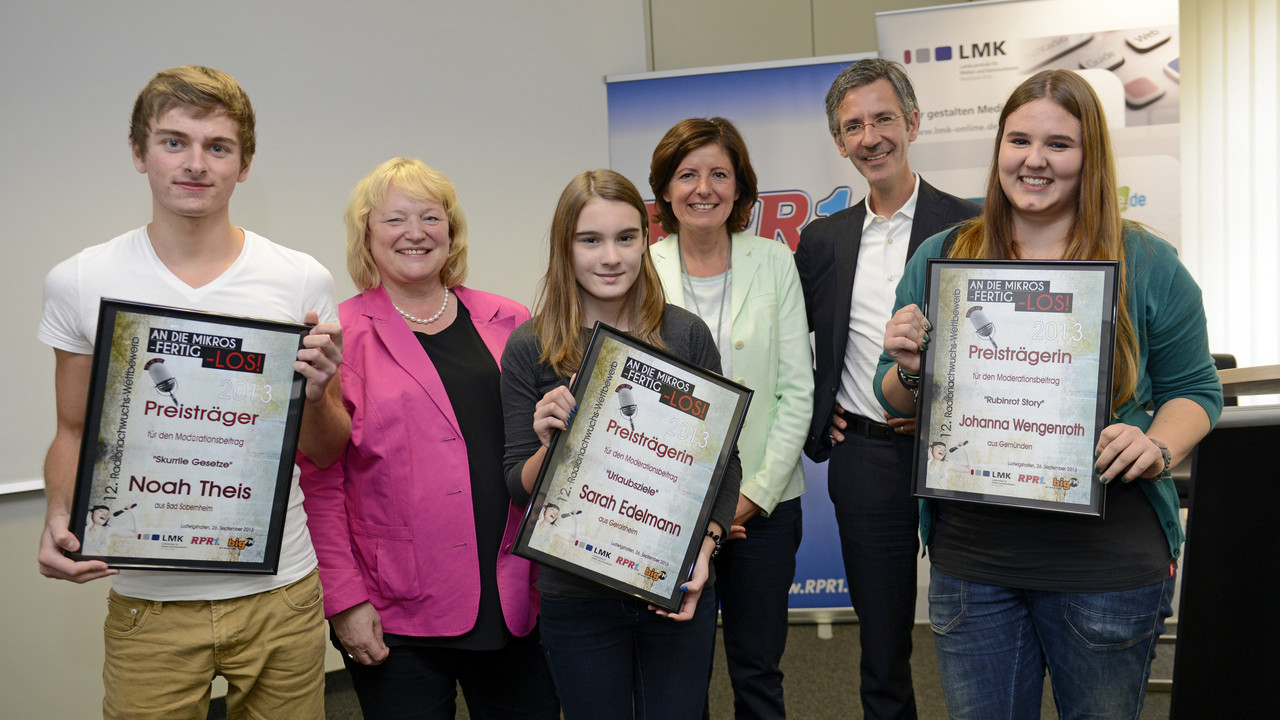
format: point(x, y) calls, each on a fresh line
point(1097, 230)
point(558, 309)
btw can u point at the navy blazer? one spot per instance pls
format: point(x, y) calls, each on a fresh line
point(827, 257)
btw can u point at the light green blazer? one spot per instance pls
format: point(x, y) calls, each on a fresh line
point(771, 355)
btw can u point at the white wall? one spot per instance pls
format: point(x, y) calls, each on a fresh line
point(702, 33)
point(506, 98)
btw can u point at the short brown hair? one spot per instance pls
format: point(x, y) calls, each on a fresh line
point(201, 88)
point(687, 136)
point(865, 72)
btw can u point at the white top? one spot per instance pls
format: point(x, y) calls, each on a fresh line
point(882, 254)
point(266, 281)
point(708, 302)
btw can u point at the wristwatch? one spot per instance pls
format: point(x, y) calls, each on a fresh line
point(1167, 470)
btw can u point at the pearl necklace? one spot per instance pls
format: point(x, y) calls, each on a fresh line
point(420, 321)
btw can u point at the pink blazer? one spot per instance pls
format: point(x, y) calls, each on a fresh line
point(392, 521)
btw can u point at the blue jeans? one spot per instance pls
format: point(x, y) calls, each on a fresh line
point(995, 643)
point(612, 658)
point(753, 586)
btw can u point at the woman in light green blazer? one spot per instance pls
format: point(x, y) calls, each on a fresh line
point(747, 290)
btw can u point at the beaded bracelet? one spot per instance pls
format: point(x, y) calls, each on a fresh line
point(910, 382)
point(719, 543)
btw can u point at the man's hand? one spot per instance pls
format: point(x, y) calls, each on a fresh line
point(835, 433)
point(326, 426)
point(320, 356)
point(71, 391)
point(53, 564)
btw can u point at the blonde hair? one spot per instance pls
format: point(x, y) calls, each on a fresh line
point(558, 310)
point(1097, 230)
point(415, 180)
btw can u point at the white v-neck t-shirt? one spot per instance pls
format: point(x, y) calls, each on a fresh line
point(266, 281)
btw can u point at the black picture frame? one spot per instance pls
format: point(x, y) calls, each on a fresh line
point(1016, 425)
point(640, 531)
point(211, 475)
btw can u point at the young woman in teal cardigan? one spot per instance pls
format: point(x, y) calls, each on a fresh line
point(1016, 592)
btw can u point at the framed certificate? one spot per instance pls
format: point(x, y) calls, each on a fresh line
point(189, 438)
point(1016, 382)
point(624, 495)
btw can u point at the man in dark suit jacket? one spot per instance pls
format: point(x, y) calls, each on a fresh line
point(850, 264)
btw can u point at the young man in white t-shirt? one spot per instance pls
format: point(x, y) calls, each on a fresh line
point(168, 633)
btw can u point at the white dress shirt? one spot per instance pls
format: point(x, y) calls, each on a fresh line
point(882, 254)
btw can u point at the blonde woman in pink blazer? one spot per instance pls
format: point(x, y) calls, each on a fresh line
point(414, 526)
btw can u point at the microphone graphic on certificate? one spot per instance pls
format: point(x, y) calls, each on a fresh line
point(627, 403)
point(984, 327)
point(160, 375)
